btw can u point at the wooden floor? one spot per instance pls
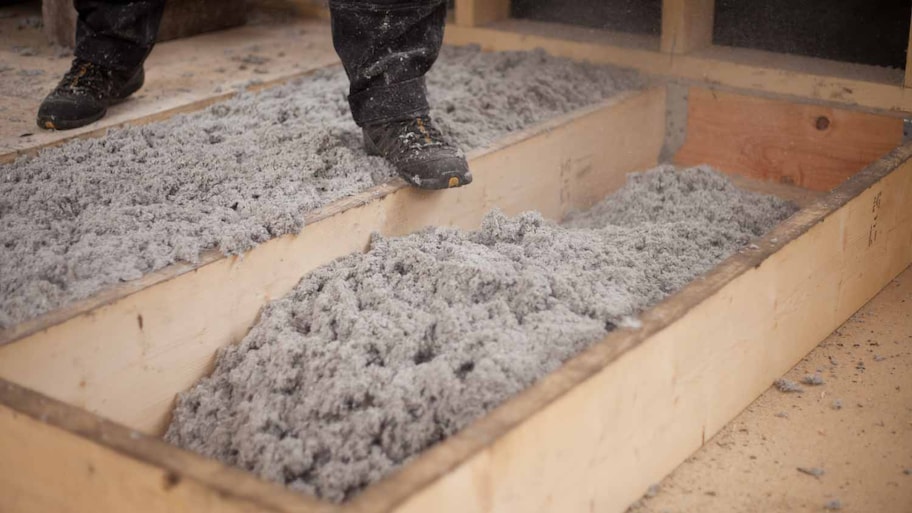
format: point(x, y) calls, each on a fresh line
point(186, 74)
point(864, 447)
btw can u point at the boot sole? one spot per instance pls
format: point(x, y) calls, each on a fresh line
point(448, 181)
point(50, 123)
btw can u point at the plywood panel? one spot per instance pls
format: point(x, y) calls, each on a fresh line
point(812, 146)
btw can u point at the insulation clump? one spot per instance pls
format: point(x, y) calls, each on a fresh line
point(375, 357)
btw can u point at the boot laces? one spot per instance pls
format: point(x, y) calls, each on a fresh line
point(86, 77)
point(412, 135)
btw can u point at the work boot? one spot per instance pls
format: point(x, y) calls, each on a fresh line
point(85, 93)
point(418, 151)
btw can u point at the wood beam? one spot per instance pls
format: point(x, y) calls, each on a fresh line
point(472, 13)
point(58, 458)
point(812, 146)
point(687, 25)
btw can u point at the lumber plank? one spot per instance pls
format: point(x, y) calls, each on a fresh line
point(642, 401)
point(61, 459)
point(471, 13)
point(126, 354)
point(854, 86)
point(687, 25)
point(812, 146)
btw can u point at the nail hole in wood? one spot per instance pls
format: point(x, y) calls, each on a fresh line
point(822, 123)
point(171, 480)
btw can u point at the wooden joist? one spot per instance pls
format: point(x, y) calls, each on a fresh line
point(687, 25)
point(62, 459)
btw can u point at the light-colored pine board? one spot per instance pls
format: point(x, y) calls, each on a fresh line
point(812, 146)
point(125, 354)
point(595, 434)
point(59, 459)
point(182, 76)
point(687, 25)
point(866, 87)
point(472, 13)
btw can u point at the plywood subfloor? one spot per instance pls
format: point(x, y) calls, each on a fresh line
point(178, 73)
point(864, 447)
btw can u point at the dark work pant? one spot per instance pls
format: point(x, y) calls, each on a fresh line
point(386, 47)
point(117, 33)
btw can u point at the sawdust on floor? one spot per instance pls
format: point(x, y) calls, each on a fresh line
point(855, 428)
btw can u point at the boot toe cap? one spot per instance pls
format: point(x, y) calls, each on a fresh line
point(441, 173)
point(61, 113)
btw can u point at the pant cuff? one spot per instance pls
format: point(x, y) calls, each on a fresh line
point(111, 53)
point(394, 102)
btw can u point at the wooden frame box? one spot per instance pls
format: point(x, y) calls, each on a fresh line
point(640, 399)
point(86, 391)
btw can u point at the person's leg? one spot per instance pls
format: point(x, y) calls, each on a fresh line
point(117, 34)
point(113, 39)
point(386, 47)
